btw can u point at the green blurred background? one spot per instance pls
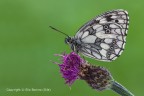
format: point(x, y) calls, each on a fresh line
point(27, 45)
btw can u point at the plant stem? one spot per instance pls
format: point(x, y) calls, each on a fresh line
point(121, 90)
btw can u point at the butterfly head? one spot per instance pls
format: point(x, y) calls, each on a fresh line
point(70, 41)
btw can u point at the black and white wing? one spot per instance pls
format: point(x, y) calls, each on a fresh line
point(104, 37)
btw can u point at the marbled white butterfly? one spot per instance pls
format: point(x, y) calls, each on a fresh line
point(102, 38)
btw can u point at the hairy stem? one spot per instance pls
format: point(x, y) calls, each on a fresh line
point(121, 90)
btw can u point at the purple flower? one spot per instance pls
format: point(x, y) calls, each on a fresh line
point(73, 67)
point(70, 67)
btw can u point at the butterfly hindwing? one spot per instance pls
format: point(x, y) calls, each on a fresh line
point(104, 37)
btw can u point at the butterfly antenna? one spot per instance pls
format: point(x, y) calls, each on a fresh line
point(58, 30)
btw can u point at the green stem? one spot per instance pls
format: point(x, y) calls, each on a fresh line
point(121, 90)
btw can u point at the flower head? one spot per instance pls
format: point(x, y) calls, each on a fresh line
point(70, 67)
point(97, 77)
point(73, 67)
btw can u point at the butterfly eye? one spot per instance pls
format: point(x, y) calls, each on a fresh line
point(66, 40)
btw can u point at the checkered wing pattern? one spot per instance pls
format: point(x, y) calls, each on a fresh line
point(104, 37)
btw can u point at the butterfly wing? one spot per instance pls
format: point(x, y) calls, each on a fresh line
point(104, 37)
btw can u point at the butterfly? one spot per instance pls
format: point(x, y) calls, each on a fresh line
point(102, 38)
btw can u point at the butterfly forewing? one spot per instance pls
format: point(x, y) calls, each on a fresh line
point(104, 37)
